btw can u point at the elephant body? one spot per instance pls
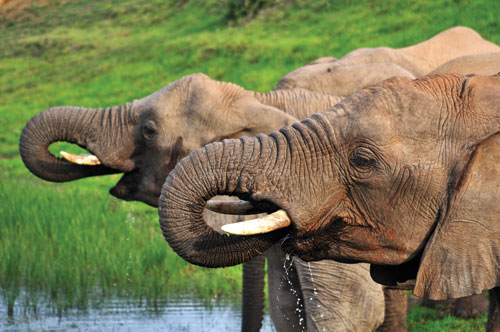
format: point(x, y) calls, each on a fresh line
point(403, 175)
point(364, 67)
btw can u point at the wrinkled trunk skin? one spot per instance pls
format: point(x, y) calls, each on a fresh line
point(225, 168)
point(252, 310)
point(92, 129)
point(340, 297)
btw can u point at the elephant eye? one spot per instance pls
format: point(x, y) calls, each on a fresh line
point(148, 130)
point(362, 159)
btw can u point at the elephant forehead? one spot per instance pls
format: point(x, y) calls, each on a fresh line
point(405, 112)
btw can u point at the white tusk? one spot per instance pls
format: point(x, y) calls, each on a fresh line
point(83, 159)
point(239, 207)
point(271, 222)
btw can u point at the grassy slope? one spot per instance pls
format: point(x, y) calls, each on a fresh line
point(63, 240)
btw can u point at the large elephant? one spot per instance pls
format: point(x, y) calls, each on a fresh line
point(364, 67)
point(145, 139)
point(403, 175)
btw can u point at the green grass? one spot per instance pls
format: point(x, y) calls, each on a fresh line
point(64, 241)
point(74, 240)
point(422, 319)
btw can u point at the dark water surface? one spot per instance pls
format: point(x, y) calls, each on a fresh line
point(178, 315)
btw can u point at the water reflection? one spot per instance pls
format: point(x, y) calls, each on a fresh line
point(178, 315)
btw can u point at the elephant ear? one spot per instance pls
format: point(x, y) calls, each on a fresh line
point(462, 256)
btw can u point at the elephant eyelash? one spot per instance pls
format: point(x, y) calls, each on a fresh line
point(362, 159)
point(148, 131)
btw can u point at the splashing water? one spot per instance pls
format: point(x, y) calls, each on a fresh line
point(315, 290)
point(287, 266)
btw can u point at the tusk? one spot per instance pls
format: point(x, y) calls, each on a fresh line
point(239, 207)
point(83, 159)
point(271, 222)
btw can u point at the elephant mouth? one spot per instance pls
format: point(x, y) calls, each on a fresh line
point(126, 188)
point(317, 244)
point(309, 245)
point(133, 187)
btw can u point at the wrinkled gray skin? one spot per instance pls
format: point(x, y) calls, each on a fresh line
point(364, 67)
point(145, 139)
point(403, 175)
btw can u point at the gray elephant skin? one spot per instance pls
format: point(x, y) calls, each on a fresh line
point(403, 175)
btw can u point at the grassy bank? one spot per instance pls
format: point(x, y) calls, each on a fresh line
point(64, 241)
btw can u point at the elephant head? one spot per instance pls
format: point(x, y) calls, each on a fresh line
point(405, 173)
point(145, 139)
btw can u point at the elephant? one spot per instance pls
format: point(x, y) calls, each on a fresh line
point(403, 175)
point(342, 77)
point(364, 67)
point(478, 64)
point(146, 138)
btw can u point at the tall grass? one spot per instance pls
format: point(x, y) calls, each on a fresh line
point(68, 242)
point(71, 242)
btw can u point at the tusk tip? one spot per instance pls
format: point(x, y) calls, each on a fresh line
point(233, 229)
point(269, 223)
point(84, 159)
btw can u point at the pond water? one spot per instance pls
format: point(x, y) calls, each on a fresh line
point(178, 315)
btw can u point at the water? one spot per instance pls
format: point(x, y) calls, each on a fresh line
point(178, 315)
point(286, 276)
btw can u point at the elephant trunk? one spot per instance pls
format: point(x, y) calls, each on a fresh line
point(224, 168)
point(97, 130)
point(252, 310)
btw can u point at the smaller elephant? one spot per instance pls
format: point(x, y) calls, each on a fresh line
point(364, 67)
point(403, 175)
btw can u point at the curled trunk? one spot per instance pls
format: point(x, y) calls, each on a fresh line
point(210, 171)
point(97, 130)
